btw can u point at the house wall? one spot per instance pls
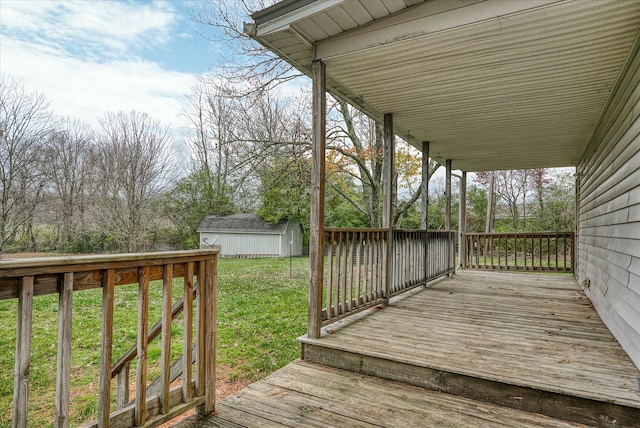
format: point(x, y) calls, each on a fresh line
point(247, 244)
point(609, 213)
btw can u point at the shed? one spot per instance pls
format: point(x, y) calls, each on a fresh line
point(248, 235)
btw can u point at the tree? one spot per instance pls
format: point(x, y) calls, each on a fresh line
point(70, 154)
point(135, 162)
point(24, 126)
point(357, 149)
point(248, 65)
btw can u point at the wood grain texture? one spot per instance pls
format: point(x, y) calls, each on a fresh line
point(142, 342)
point(63, 370)
point(165, 357)
point(316, 234)
point(529, 332)
point(310, 395)
point(104, 392)
point(23, 353)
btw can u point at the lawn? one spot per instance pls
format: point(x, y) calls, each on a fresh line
point(262, 308)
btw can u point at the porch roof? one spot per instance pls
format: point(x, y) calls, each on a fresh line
point(490, 84)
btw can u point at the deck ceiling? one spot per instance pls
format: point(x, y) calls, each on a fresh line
point(490, 84)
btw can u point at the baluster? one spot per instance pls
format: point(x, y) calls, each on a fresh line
point(143, 326)
point(63, 371)
point(187, 334)
point(104, 398)
point(23, 353)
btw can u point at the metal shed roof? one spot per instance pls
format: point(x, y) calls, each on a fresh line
point(490, 84)
point(241, 223)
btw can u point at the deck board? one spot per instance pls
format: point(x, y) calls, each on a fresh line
point(538, 331)
point(505, 342)
point(310, 395)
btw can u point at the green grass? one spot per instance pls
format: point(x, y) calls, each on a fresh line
point(261, 310)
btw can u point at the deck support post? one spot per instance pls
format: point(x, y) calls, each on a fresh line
point(462, 222)
point(447, 214)
point(316, 229)
point(388, 179)
point(424, 218)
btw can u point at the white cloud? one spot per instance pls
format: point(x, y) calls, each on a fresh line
point(86, 57)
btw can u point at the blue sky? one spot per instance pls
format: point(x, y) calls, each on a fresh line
point(88, 57)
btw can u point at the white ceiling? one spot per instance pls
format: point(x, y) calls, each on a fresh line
point(490, 84)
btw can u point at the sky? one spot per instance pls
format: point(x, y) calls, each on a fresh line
point(88, 57)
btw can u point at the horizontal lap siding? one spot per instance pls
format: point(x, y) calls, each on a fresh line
point(609, 213)
point(250, 244)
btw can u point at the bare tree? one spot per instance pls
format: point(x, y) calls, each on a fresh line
point(135, 162)
point(70, 152)
point(248, 64)
point(24, 125)
point(357, 141)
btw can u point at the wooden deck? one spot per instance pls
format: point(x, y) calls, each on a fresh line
point(497, 347)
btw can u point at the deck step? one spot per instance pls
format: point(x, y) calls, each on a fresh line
point(550, 403)
point(304, 394)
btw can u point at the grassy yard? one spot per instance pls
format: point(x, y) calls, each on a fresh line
point(262, 306)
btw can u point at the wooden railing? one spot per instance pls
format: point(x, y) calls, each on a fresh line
point(411, 266)
point(356, 274)
point(537, 251)
point(25, 278)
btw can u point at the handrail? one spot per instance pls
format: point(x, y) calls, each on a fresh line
point(521, 251)
point(65, 276)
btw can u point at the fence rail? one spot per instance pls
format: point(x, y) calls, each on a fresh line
point(25, 278)
point(539, 251)
point(356, 266)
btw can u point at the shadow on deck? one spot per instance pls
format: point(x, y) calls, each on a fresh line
point(481, 349)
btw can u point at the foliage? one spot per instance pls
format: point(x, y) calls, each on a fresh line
point(190, 200)
point(285, 191)
point(531, 200)
point(476, 209)
point(261, 311)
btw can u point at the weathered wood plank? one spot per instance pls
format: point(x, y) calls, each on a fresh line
point(142, 342)
point(104, 391)
point(187, 334)
point(316, 233)
point(310, 395)
point(165, 356)
point(526, 331)
point(63, 368)
point(23, 353)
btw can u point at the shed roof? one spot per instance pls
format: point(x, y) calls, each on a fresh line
point(492, 84)
point(241, 223)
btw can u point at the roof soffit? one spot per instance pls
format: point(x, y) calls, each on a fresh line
point(419, 21)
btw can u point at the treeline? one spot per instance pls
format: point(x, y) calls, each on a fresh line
point(66, 187)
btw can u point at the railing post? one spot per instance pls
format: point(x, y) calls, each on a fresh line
point(462, 222)
point(316, 228)
point(447, 216)
point(210, 336)
point(424, 220)
point(388, 203)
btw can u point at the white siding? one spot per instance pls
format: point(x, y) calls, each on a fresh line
point(249, 244)
point(609, 213)
point(294, 232)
